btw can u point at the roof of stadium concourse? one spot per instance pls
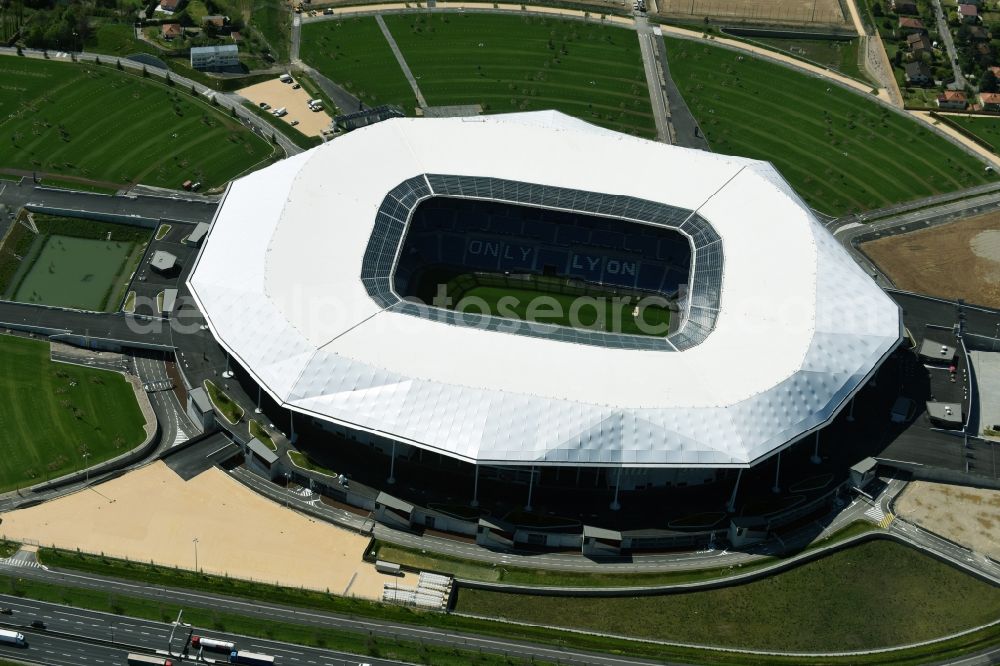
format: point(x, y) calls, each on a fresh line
point(798, 327)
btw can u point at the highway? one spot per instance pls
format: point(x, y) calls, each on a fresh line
point(153, 634)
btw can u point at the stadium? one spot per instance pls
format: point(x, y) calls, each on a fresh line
point(533, 300)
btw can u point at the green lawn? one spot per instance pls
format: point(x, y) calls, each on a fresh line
point(838, 55)
point(300, 459)
point(537, 302)
point(524, 63)
point(53, 413)
point(985, 127)
point(117, 39)
point(256, 430)
point(230, 410)
point(73, 263)
point(100, 123)
point(503, 62)
point(272, 19)
point(839, 150)
point(355, 54)
point(876, 594)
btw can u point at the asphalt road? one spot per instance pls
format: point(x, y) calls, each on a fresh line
point(648, 43)
point(154, 634)
point(79, 636)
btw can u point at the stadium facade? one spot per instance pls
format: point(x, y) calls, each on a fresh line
point(777, 327)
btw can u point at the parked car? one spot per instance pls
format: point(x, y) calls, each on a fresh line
point(294, 123)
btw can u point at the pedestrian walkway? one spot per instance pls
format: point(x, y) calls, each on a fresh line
point(402, 62)
point(880, 517)
point(22, 559)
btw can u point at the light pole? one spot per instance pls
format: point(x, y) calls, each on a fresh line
point(195, 542)
point(86, 465)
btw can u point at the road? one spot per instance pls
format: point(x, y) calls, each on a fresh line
point(79, 636)
point(949, 45)
point(154, 634)
point(850, 234)
point(649, 41)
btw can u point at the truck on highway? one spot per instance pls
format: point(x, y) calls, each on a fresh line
point(250, 658)
point(213, 644)
point(11, 637)
point(146, 660)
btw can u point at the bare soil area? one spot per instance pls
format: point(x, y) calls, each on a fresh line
point(282, 95)
point(240, 533)
point(826, 12)
point(956, 260)
point(968, 516)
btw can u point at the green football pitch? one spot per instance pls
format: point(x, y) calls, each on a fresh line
point(552, 301)
point(51, 414)
point(503, 62)
point(840, 151)
point(94, 121)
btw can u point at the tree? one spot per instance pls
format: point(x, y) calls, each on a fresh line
point(989, 83)
point(876, 9)
point(144, 72)
point(118, 64)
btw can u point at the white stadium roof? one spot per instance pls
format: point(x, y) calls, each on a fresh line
point(793, 328)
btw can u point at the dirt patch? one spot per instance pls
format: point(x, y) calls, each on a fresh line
point(956, 260)
point(283, 95)
point(824, 12)
point(969, 516)
point(240, 533)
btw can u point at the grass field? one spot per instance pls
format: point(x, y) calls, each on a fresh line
point(841, 152)
point(549, 301)
point(872, 595)
point(838, 55)
point(117, 39)
point(73, 263)
point(504, 63)
point(355, 54)
point(986, 128)
point(51, 414)
point(97, 122)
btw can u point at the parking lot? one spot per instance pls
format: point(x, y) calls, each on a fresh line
point(279, 95)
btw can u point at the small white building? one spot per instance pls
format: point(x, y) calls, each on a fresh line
point(215, 57)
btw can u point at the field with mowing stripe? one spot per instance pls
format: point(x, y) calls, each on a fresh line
point(876, 594)
point(94, 121)
point(504, 63)
point(840, 151)
point(53, 413)
point(985, 127)
point(354, 53)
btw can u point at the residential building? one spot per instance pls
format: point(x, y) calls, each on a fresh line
point(169, 6)
point(217, 20)
point(918, 74)
point(171, 30)
point(215, 57)
point(918, 44)
point(990, 101)
point(904, 6)
point(968, 13)
point(978, 33)
point(952, 99)
point(909, 25)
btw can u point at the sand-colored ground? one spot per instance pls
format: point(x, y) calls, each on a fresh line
point(927, 261)
point(153, 514)
point(279, 95)
point(825, 12)
point(968, 516)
